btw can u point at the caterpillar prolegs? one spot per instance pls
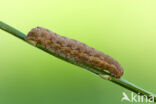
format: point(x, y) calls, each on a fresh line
point(75, 50)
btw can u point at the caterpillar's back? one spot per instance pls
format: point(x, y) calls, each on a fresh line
point(76, 50)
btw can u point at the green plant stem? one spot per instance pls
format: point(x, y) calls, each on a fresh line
point(102, 74)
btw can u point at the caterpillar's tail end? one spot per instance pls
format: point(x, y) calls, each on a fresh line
point(116, 71)
point(119, 74)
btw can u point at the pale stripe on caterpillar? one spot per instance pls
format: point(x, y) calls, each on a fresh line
point(80, 52)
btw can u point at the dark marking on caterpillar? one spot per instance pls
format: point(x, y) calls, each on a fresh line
point(76, 50)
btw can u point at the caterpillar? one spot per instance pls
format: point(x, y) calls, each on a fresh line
point(75, 50)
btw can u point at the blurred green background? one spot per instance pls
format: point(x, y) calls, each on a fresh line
point(124, 29)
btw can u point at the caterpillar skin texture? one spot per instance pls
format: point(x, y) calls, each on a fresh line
point(73, 49)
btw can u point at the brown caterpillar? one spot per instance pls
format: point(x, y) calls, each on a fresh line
point(70, 48)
